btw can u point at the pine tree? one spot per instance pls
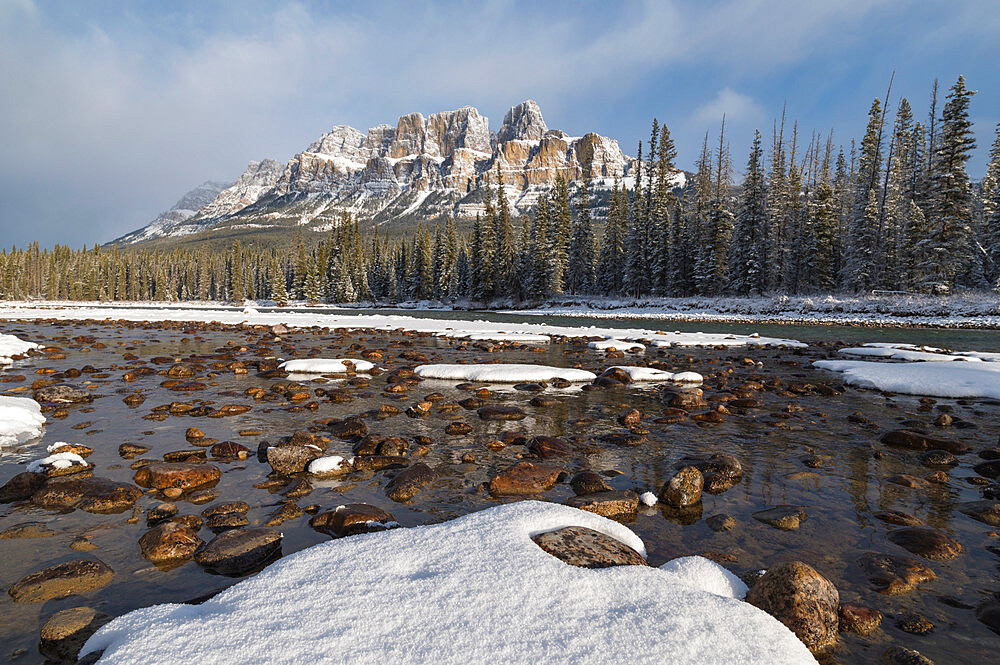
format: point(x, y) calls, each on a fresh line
point(580, 271)
point(612, 255)
point(748, 250)
point(559, 235)
point(279, 294)
point(953, 247)
point(539, 285)
point(990, 187)
point(862, 238)
point(505, 254)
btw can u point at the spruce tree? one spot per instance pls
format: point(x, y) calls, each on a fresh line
point(953, 248)
point(279, 293)
point(580, 271)
point(748, 249)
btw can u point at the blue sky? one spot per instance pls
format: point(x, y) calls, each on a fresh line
point(110, 111)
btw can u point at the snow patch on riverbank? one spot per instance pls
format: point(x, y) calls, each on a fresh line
point(14, 346)
point(503, 373)
point(21, 419)
point(923, 377)
point(973, 310)
point(652, 374)
point(472, 590)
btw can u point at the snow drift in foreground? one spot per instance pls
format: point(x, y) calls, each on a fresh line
point(21, 419)
point(923, 371)
point(13, 346)
point(324, 365)
point(470, 330)
point(472, 590)
point(502, 373)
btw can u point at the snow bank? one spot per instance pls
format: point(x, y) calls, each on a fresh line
point(21, 419)
point(906, 352)
point(502, 373)
point(651, 374)
point(962, 310)
point(324, 365)
point(496, 336)
point(13, 346)
point(678, 338)
point(472, 590)
point(933, 378)
point(487, 330)
point(619, 344)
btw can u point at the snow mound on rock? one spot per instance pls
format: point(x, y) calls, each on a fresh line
point(502, 373)
point(21, 419)
point(472, 590)
point(651, 374)
point(324, 365)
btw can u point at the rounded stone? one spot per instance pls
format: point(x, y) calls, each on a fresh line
point(684, 489)
point(239, 551)
point(65, 632)
point(587, 548)
point(926, 542)
point(64, 579)
point(802, 599)
point(169, 541)
point(177, 475)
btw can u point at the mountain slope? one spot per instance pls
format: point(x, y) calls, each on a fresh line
point(188, 206)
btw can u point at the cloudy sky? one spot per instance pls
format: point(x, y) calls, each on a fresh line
point(110, 111)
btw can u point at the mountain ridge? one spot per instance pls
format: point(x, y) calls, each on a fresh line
point(423, 167)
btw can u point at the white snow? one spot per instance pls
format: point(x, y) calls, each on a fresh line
point(648, 499)
point(651, 374)
point(502, 373)
point(932, 378)
point(472, 590)
point(329, 464)
point(707, 575)
point(906, 352)
point(333, 318)
point(21, 419)
point(13, 346)
point(619, 344)
point(57, 461)
point(324, 365)
point(495, 336)
point(678, 338)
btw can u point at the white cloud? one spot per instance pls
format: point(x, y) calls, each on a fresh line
point(739, 109)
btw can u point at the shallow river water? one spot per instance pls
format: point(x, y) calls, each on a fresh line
point(844, 485)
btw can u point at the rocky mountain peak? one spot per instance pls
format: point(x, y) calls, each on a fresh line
point(523, 122)
point(421, 167)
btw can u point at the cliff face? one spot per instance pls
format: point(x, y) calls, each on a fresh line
point(421, 167)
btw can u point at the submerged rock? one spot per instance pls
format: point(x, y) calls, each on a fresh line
point(169, 541)
point(64, 579)
point(93, 495)
point(893, 575)
point(926, 542)
point(609, 503)
point(786, 518)
point(684, 489)
point(525, 478)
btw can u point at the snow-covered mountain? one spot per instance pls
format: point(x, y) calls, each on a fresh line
point(419, 168)
point(188, 206)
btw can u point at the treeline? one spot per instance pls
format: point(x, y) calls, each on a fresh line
point(898, 212)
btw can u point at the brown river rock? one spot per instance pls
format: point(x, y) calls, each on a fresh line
point(586, 548)
point(798, 596)
point(926, 542)
point(93, 495)
point(64, 579)
point(65, 632)
point(169, 541)
point(179, 475)
point(525, 478)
